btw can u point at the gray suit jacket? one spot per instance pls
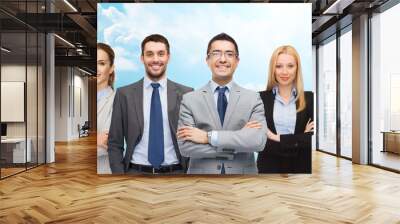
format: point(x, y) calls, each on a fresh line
point(236, 143)
point(104, 112)
point(127, 122)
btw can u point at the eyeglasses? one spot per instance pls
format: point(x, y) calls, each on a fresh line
point(218, 54)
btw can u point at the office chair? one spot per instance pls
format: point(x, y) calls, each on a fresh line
point(84, 130)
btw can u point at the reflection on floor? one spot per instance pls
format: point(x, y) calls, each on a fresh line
point(10, 169)
point(386, 159)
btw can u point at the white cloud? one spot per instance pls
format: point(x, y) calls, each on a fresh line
point(125, 59)
point(112, 13)
point(191, 25)
point(254, 86)
point(257, 28)
point(125, 64)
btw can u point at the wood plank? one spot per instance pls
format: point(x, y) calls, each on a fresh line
point(70, 191)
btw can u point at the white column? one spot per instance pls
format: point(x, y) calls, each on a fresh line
point(50, 92)
point(360, 90)
point(50, 100)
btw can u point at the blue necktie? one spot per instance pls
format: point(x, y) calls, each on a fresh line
point(156, 135)
point(222, 103)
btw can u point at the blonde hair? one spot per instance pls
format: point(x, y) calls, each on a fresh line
point(298, 82)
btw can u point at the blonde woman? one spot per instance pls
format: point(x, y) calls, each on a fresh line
point(289, 115)
point(105, 99)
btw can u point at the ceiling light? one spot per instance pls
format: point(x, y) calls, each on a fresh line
point(70, 5)
point(5, 50)
point(65, 41)
point(337, 7)
point(79, 51)
point(84, 71)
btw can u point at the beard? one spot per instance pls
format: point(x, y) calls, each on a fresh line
point(158, 75)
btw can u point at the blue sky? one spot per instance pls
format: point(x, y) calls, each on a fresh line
point(258, 29)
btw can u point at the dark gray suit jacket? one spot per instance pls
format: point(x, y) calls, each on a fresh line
point(127, 122)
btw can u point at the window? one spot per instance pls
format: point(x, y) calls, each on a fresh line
point(346, 94)
point(327, 96)
point(22, 74)
point(385, 89)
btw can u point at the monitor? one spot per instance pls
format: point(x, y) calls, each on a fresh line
point(3, 129)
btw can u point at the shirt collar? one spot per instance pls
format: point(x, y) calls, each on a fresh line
point(276, 88)
point(214, 85)
point(147, 82)
point(279, 98)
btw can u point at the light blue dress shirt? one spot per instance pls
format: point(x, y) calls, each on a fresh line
point(214, 86)
point(140, 155)
point(284, 113)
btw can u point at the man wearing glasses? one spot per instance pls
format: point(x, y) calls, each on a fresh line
point(221, 125)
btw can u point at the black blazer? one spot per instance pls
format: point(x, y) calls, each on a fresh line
point(293, 153)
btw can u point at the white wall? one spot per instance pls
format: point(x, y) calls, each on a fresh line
point(61, 103)
point(71, 93)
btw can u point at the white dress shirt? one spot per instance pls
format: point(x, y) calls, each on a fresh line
point(140, 154)
point(214, 86)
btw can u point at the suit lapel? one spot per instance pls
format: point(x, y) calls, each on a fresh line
point(233, 101)
point(172, 97)
point(173, 111)
point(299, 120)
point(270, 110)
point(138, 101)
point(209, 98)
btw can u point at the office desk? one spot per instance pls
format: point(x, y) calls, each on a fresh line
point(13, 150)
point(391, 141)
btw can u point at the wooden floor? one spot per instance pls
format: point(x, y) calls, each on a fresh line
point(10, 171)
point(70, 191)
point(387, 159)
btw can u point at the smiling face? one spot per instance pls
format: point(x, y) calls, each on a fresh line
point(222, 60)
point(155, 59)
point(285, 69)
point(104, 68)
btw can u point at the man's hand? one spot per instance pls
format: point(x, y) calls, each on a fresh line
point(102, 139)
point(253, 124)
point(272, 136)
point(192, 134)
